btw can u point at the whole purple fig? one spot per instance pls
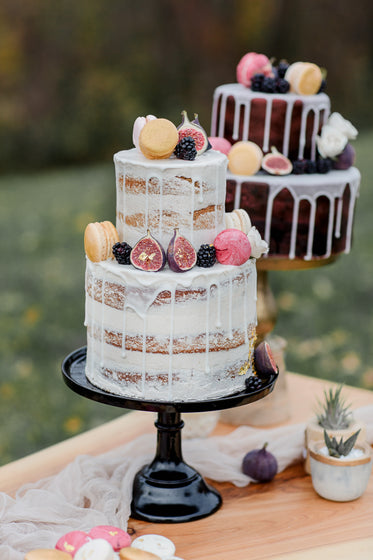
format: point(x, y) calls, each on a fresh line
point(260, 464)
point(345, 159)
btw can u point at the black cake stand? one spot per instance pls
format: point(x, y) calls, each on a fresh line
point(167, 490)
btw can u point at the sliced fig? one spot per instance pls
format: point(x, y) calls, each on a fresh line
point(148, 254)
point(276, 163)
point(195, 130)
point(264, 362)
point(181, 254)
point(197, 123)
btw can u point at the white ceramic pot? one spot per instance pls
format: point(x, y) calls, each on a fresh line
point(315, 433)
point(340, 480)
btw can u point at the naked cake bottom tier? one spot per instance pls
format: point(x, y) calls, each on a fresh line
point(170, 337)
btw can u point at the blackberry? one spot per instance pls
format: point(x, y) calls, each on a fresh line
point(311, 166)
point(324, 165)
point(299, 166)
point(253, 383)
point(269, 85)
point(281, 68)
point(282, 86)
point(121, 252)
point(256, 82)
point(186, 149)
point(206, 256)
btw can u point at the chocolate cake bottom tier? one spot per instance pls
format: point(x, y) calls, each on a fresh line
point(164, 336)
point(304, 217)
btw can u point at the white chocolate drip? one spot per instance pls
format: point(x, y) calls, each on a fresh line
point(160, 195)
point(243, 98)
point(223, 305)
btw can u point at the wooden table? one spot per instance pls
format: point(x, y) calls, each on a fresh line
point(284, 519)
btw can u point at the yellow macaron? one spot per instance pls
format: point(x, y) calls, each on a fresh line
point(47, 554)
point(304, 78)
point(158, 139)
point(99, 238)
point(132, 553)
point(245, 158)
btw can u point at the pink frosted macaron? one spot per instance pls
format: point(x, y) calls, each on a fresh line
point(232, 247)
point(250, 64)
point(71, 542)
point(220, 144)
point(118, 538)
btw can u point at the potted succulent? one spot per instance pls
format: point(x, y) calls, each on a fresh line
point(340, 470)
point(335, 416)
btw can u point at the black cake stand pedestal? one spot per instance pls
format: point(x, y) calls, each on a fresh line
point(167, 490)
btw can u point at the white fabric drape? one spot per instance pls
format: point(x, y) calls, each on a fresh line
point(97, 490)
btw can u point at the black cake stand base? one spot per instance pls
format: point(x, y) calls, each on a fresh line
point(167, 490)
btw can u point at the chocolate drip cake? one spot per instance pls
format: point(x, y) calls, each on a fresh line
point(304, 205)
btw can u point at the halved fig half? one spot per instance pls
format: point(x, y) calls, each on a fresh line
point(181, 254)
point(148, 254)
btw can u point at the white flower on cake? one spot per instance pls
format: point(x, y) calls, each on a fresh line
point(343, 125)
point(259, 247)
point(335, 135)
point(331, 142)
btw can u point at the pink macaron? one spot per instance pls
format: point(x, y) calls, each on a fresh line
point(118, 538)
point(232, 247)
point(72, 541)
point(220, 144)
point(250, 64)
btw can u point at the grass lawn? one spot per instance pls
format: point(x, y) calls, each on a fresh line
point(325, 314)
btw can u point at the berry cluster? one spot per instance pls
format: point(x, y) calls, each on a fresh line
point(280, 69)
point(121, 252)
point(265, 84)
point(253, 383)
point(308, 166)
point(206, 256)
point(186, 149)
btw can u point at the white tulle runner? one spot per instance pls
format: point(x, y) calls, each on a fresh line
point(97, 490)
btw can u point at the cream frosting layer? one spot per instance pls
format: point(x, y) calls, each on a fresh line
point(160, 195)
point(168, 336)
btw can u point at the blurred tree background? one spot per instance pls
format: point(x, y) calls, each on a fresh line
point(74, 75)
point(73, 78)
